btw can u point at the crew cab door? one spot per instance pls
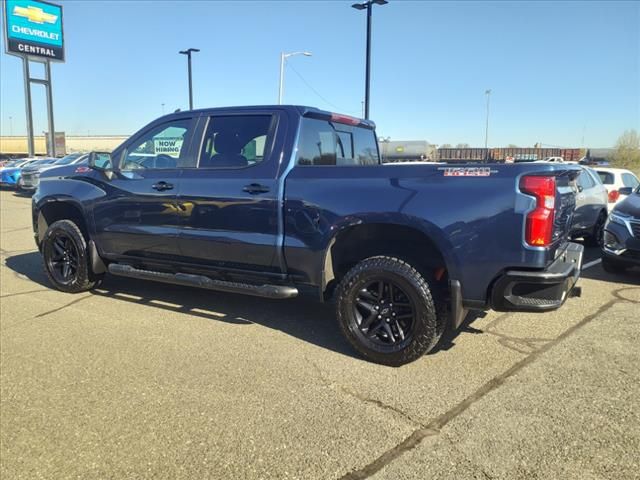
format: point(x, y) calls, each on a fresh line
point(138, 217)
point(228, 201)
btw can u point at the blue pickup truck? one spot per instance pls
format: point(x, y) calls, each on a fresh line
point(281, 201)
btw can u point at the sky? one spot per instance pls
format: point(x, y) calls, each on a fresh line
point(560, 73)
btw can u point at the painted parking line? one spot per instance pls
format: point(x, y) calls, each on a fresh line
point(591, 264)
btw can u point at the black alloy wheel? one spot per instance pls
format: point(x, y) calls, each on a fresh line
point(66, 258)
point(63, 262)
point(384, 313)
point(387, 311)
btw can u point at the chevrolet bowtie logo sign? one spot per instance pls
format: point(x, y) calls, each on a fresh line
point(33, 28)
point(35, 14)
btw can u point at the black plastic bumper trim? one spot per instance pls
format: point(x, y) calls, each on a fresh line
point(539, 290)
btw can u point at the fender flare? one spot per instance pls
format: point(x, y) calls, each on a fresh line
point(430, 231)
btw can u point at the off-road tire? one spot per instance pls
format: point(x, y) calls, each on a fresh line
point(429, 321)
point(596, 238)
point(83, 278)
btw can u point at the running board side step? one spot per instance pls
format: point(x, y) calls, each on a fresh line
point(200, 281)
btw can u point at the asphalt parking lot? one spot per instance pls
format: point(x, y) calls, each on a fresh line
point(144, 380)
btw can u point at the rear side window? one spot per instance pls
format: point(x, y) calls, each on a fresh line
point(606, 177)
point(629, 180)
point(326, 143)
point(235, 141)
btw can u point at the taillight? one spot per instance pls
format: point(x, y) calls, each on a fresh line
point(614, 195)
point(539, 226)
point(346, 119)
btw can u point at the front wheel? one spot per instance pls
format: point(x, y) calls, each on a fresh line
point(386, 311)
point(66, 258)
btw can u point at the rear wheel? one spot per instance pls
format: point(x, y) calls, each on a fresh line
point(66, 258)
point(386, 311)
point(596, 239)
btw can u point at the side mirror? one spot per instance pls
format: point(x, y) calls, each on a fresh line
point(580, 188)
point(100, 161)
point(625, 190)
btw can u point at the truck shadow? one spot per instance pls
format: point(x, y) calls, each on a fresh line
point(307, 320)
point(304, 319)
point(629, 277)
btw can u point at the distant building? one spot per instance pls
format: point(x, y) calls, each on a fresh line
point(16, 146)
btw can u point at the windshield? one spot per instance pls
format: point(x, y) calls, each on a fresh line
point(45, 161)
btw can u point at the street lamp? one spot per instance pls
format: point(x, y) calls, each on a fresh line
point(486, 130)
point(283, 59)
point(188, 53)
point(367, 6)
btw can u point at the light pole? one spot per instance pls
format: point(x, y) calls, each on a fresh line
point(10, 126)
point(367, 6)
point(162, 108)
point(486, 129)
point(188, 53)
point(283, 59)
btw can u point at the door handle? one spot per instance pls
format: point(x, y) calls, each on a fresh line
point(254, 188)
point(161, 186)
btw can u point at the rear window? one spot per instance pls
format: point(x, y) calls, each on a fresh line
point(606, 177)
point(585, 180)
point(326, 143)
point(629, 180)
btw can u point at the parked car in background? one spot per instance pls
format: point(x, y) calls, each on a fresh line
point(4, 159)
point(33, 166)
point(594, 161)
point(31, 174)
point(11, 173)
point(614, 179)
point(591, 208)
point(621, 248)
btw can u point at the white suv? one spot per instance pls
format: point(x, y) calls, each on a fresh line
point(614, 179)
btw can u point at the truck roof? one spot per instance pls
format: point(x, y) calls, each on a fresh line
point(302, 110)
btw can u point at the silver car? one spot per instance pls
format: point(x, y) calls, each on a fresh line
point(591, 208)
point(31, 176)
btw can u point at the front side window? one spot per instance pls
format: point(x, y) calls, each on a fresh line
point(235, 141)
point(326, 143)
point(162, 147)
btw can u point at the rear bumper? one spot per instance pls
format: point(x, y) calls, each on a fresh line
point(539, 290)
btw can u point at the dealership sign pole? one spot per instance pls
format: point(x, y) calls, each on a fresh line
point(33, 32)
